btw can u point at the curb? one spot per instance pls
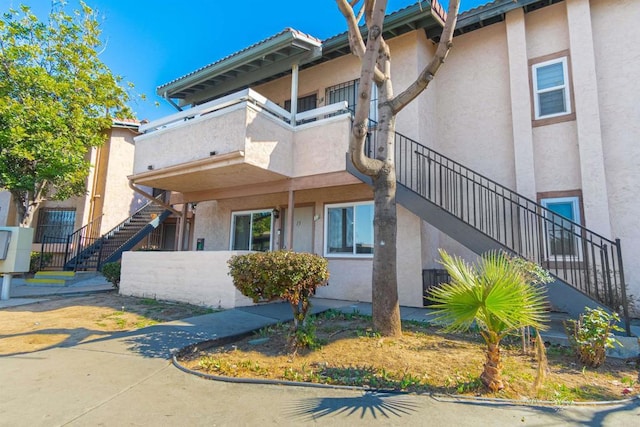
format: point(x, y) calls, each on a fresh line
point(204, 345)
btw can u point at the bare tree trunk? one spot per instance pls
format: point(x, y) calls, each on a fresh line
point(376, 69)
point(385, 303)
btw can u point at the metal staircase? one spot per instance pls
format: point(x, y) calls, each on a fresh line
point(484, 215)
point(92, 253)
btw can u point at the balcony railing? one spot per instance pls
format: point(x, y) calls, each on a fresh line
point(248, 96)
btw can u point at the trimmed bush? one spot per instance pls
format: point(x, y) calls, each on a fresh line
point(286, 275)
point(111, 272)
point(34, 261)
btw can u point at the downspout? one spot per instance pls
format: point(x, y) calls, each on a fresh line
point(294, 93)
point(181, 229)
point(153, 199)
point(170, 101)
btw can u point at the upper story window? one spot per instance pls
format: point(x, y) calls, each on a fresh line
point(55, 223)
point(348, 91)
point(305, 103)
point(349, 230)
point(551, 89)
point(251, 230)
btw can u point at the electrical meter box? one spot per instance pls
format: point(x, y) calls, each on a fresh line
point(15, 249)
point(5, 239)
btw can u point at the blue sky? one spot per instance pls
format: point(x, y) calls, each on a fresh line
point(151, 42)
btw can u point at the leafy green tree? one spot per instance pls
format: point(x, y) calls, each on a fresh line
point(56, 101)
point(495, 294)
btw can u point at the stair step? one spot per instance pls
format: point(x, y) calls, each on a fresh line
point(64, 275)
point(46, 282)
point(123, 237)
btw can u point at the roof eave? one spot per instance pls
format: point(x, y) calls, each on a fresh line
point(278, 42)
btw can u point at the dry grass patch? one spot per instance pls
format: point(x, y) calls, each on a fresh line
point(422, 360)
point(72, 320)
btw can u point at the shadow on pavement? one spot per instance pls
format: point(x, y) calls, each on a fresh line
point(376, 405)
point(72, 337)
point(589, 415)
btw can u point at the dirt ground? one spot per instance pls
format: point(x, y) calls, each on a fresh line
point(422, 360)
point(66, 321)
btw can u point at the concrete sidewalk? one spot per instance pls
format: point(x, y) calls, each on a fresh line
point(22, 293)
point(127, 379)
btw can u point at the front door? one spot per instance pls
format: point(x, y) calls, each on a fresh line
point(302, 229)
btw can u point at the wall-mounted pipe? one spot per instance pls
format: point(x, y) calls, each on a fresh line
point(154, 199)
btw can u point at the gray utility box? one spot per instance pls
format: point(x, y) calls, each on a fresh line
point(5, 240)
point(15, 249)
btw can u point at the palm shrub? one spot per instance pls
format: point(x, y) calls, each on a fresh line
point(287, 275)
point(496, 295)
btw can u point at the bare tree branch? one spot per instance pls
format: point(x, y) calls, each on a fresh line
point(425, 77)
point(356, 42)
point(364, 163)
point(355, 38)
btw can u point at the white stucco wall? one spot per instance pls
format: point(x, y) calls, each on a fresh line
point(616, 33)
point(198, 278)
point(180, 144)
point(322, 147)
point(269, 143)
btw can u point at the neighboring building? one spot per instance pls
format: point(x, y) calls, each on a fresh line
point(539, 96)
point(108, 200)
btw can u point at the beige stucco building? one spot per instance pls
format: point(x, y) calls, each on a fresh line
point(107, 202)
point(527, 138)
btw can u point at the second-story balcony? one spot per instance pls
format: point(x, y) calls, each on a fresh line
point(240, 139)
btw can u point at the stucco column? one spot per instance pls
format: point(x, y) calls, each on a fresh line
point(585, 90)
point(182, 227)
point(290, 208)
point(520, 103)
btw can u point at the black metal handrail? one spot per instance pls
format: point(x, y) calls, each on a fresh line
point(82, 238)
point(57, 250)
point(103, 246)
point(574, 254)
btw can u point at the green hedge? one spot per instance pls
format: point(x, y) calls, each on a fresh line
point(111, 272)
point(286, 275)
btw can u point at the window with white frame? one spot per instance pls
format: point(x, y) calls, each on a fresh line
point(349, 230)
point(251, 230)
point(551, 97)
point(563, 235)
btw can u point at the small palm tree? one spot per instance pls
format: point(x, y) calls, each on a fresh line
point(496, 295)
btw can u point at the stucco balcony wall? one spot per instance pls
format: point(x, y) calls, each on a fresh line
point(263, 139)
point(269, 142)
point(222, 132)
point(320, 147)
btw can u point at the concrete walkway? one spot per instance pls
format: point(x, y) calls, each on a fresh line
point(127, 379)
point(22, 293)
